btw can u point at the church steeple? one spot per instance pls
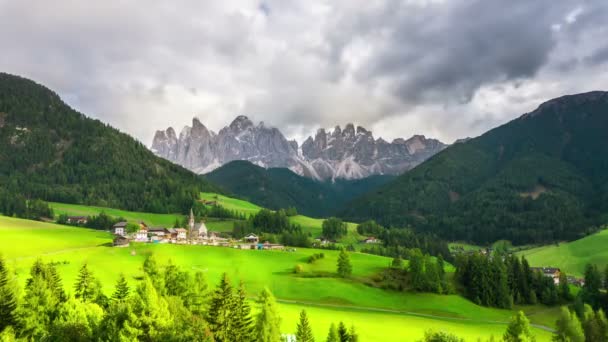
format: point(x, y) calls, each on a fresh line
point(191, 223)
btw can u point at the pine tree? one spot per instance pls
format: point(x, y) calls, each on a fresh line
point(121, 291)
point(243, 322)
point(568, 328)
point(354, 337)
point(593, 283)
point(519, 329)
point(153, 271)
point(332, 335)
point(304, 331)
point(8, 302)
point(84, 288)
point(219, 314)
point(343, 333)
point(345, 269)
point(591, 326)
point(564, 288)
point(268, 322)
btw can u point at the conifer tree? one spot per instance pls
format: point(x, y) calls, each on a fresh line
point(243, 322)
point(593, 283)
point(84, 288)
point(8, 302)
point(151, 311)
point(198, 292)
point(268, 322)
point(332, 335)
point(152, 269)
point(519, 329)
point(345, 269)
point(353, 336)
point(591, 326)
point(568, 328)
point(121, 291)
point(343, 335)
point(564, 288)
point(220, 313)
point(304, 331)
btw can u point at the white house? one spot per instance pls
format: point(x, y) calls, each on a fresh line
point(142, 235)
point(120, 228)
point(182, 234)
point(251, 238)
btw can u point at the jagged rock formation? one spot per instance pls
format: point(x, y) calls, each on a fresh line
point(347, 154)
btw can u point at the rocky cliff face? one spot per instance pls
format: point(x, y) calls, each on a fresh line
point(349, 154)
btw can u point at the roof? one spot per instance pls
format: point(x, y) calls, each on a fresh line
point(546, 269)
point(180, 230)
point(77, 217)
point(157, 229)
point(172, 230)
point(120, 225)
point(251, 235)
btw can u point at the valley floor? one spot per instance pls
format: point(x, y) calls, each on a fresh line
point(378, 314)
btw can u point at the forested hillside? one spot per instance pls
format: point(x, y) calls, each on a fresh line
point(52, 152)
point(277, 188)
point(539, 178)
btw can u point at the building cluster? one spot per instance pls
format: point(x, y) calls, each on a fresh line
point(196, 234)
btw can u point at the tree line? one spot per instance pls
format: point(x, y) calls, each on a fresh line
point(166, 304)
point(501, 281)
point(398, 242)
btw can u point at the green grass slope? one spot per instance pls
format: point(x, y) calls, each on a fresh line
point(379, 315)
point(572, 256)
point(539, 178)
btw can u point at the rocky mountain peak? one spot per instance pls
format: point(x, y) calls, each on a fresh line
point(241, 123)
point(348, 153)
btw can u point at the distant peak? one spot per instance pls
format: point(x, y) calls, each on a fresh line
point(349, 129)
point(240, 123)
point(361, 130)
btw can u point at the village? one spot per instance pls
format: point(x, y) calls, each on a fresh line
point(196, 234)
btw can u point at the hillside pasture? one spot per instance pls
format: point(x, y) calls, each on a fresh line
point(327, 298)
point(572, 257)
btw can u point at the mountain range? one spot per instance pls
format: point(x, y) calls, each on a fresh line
point(349, 153)
point(541, 177)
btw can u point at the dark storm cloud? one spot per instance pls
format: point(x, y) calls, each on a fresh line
point(400, 67)
point(451, 49)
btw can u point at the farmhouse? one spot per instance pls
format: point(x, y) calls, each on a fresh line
point(251, 238)
point(120, 241)
point(160, 232)
point(77, 220)
point(182, 234)
point(142, 234)
point(120, 228)
point(371, 239)
point(551, 272)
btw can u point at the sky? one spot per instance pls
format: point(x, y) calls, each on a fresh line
point(446, 69)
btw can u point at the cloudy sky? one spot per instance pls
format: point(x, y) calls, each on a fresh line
point(446, 69)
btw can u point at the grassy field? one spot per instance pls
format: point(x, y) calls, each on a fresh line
point(572, 256)
point(326, 298)
point(230, 203)
point(166, 220)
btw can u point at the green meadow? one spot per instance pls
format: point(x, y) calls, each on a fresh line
point(379, 315)
point(572, 256)
point(308, 224)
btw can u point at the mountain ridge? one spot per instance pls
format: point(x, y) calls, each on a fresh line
point(280, 188)
point(50, 151)
point(538, 178)
point(349, 153)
